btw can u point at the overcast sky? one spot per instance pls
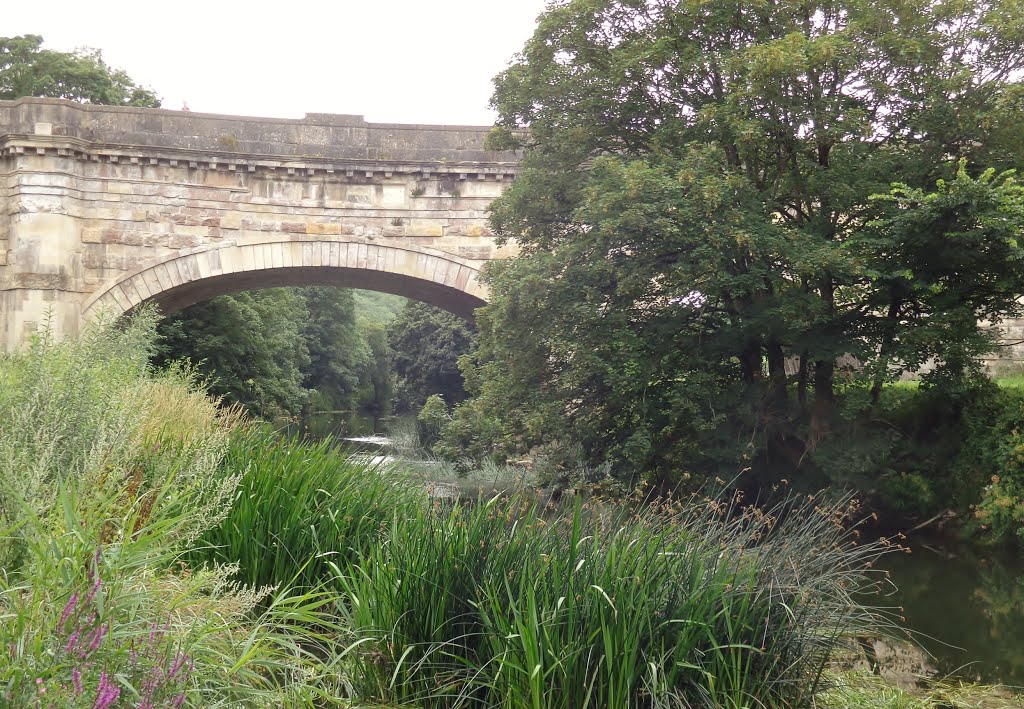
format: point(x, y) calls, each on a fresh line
point(404, 61)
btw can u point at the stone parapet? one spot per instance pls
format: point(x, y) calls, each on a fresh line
point(321, 143)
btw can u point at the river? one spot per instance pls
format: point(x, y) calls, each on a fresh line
point(964, 606)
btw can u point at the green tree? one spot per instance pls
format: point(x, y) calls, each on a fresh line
point(26, 69)
point(377, 382)
point(694, 208)
point(248, 345)
point(338, 352)
point(426, 343)
point(938, 262)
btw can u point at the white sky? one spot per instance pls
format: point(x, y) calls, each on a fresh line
point(402, 61)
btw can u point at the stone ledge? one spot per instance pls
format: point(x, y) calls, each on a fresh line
point(12, 145)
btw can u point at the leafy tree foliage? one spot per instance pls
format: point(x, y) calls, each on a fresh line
point(937, 262)
point(249, 345)
point(379, 308)
point(26, 69)
point(280, 350)
point(427, 343)
point(377, 386)
point(338, 352)
point(699, 235)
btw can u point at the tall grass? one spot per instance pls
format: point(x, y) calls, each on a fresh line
point(299, 505)
point(96, 616)
point(91, 414)
point(689, 604)
point(108, 472)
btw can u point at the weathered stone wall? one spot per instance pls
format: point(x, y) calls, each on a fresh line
point(109, 207)
point(1009, 358)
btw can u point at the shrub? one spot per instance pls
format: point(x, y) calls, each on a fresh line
point(431, 420)
point(90, 414)
point(671, 604)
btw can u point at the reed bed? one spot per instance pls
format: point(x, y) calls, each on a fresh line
point(660, 604)
point(298, 506)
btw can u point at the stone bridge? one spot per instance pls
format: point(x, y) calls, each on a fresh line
point(103, 208)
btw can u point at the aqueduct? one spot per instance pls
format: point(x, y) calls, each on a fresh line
point(104, 208)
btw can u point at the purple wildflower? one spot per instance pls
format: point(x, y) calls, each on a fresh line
point(179, 661)
point(106, 693)
point(72, 641)
point(97, 636)
point(92, 591)
point(76, 679)
point(179, 700)
point(69, 608)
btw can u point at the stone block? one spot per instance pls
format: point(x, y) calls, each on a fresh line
point(196, 231)
point(477, 253)
point(120, 298)
point(182, 241)
point(162, 277)
point(119, 187)
point(425, 227)
point(230, 260)
point(321, 228)
point(184, 219)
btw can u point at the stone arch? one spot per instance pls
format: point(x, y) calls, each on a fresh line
point(184, 278)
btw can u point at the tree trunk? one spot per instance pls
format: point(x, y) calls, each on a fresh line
point(801, 379)
point(750, 363)
point(777, 372)
point(883, 353)
point(824, 375)
point(824, 370)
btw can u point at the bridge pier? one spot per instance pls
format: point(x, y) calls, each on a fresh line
point(43, 280)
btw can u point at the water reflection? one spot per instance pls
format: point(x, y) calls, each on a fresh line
point(966, 607)
point(341, 425)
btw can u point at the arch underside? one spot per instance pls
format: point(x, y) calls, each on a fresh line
point(450, 299)
point(181, 280)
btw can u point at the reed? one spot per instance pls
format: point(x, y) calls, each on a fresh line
point(299, 505)
point(664, 604)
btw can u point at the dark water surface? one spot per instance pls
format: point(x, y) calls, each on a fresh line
point(965, 606)
point(342, 425)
